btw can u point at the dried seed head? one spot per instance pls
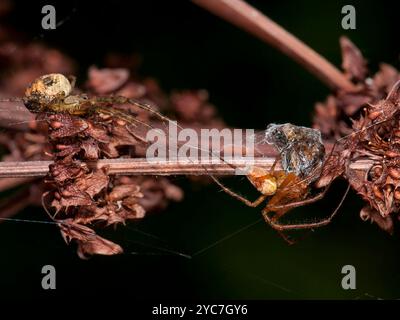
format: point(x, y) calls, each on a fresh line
point(66, 193)
point(397, 194)
point(377, 192)
point(56, 124)
point(394, 173)
point(121, 122)
point(377, 171)
point(61, 146)
point(392, 154)
point(46, 89)
point(374, 114)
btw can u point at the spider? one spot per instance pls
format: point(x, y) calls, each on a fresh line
point(302, 154)
point(52, 93)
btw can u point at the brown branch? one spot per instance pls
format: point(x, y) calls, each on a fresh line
point(253, 21)
point(141, 166)
point(14, 115)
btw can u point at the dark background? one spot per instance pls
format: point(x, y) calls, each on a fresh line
point(252, 85)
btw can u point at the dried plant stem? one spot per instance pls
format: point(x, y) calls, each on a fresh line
point(245, 16)
point(141, 166)
point(15, 116)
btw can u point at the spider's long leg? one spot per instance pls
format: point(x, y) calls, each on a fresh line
point(147, 107)
point(295, 204)
point(139, 138)
point(281, 210)
point(274, 165)
point(123, 116)
point(128, 117)
point(247, 202)
point(311, 225)
point(144, 106)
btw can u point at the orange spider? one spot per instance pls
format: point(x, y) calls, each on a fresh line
point(302, 154)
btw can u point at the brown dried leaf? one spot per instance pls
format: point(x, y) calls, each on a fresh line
point(89, 243)
point(124, 190)
point(62, 171)
point(354, 64)
point(107, 80)
point(98, 133)
point(72, 196)
point(64, 125)
point(352, 102)
point(384, 79)
point(385, 223)
point(91, 149)
point(93, 183)
point(172, 192)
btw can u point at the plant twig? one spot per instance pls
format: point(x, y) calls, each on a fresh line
point(142, 166)
point(138, 166)
point(245, 16)
point(14, 115)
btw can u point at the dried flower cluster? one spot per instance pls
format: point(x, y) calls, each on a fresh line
point(82, 196)
point(77, 196)
point(374, 136)
point(332, 117)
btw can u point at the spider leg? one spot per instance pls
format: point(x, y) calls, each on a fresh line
point(295, 204)
point(144, 106)
point(247, 202)
point(132, 120)
point(281, 227)
point(123, 116)
point(281, 210)
point(141, 139)
point(147, 107)
point(273, 165)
